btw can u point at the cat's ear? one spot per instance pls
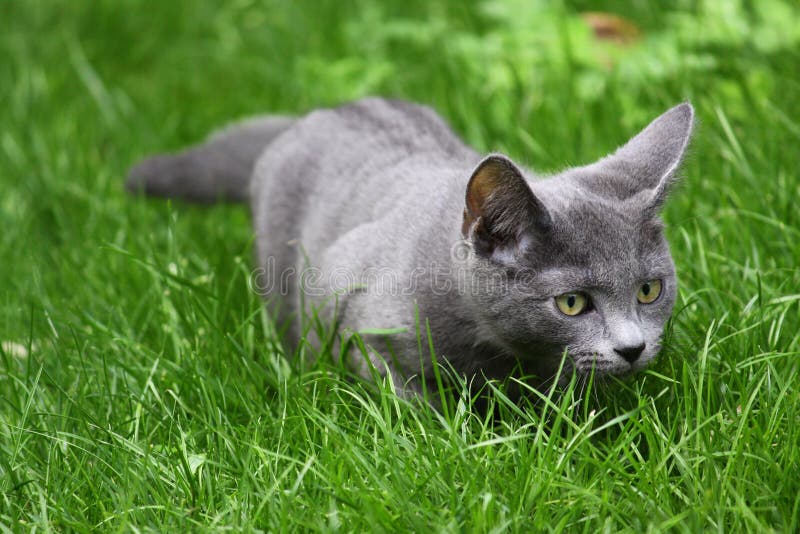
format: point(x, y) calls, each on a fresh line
point(500, 206)
point(647, 165)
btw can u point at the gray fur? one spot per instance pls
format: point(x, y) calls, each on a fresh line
point(380, 185)
point(219, 169)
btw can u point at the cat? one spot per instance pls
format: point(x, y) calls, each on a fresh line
point(509, 271)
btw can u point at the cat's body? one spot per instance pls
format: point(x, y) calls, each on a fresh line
point(395, 223)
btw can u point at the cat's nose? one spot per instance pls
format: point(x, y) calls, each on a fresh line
point(630, 353)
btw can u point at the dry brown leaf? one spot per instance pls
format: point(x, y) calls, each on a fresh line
point(612, 28)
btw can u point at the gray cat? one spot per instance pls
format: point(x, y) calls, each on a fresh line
point(383, 220)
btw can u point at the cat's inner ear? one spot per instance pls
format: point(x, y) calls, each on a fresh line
point(647, 165)
point(500, 207)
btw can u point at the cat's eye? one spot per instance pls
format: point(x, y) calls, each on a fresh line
point(572, 303)
point(649, 291)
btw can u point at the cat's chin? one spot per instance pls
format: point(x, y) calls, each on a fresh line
point(599, 365)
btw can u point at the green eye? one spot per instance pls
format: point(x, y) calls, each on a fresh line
point(649, 291)
point(572, 303)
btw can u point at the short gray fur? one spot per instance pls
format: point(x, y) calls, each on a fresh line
point(383, 185)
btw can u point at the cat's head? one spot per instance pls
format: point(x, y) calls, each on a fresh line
point(582, 256)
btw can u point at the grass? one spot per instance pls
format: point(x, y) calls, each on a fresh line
point(142, 386)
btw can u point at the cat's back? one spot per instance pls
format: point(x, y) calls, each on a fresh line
point(340, 168)
point(364, 136)
point(390, 126)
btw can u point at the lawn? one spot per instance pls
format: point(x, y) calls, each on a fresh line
point(143, 387)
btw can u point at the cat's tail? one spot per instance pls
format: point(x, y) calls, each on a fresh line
point(217, 169)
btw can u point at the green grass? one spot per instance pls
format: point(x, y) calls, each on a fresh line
point(142, 386)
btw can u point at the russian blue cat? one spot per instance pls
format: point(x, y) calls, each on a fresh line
point(401, 224)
